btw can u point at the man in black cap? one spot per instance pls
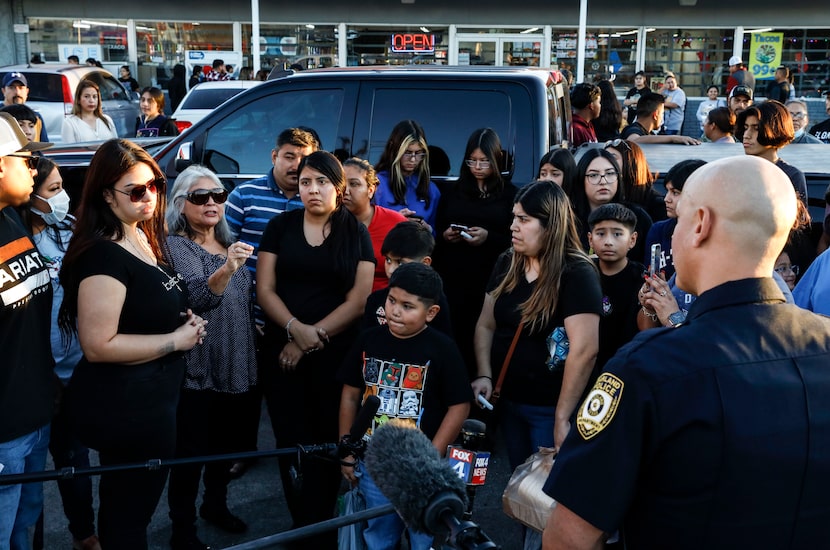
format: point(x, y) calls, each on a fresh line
point(26, 376)
point(822, 129)
point(16, 91)
point(740, 98)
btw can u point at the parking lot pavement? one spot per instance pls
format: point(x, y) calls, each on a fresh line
point(257, 498)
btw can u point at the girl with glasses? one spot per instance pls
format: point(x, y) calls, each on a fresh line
point(130, 312)
point(219, 386)
point(404, 182)
point(473, 224)
point(597, 183)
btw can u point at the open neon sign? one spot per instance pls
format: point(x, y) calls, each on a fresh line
point(408, 42)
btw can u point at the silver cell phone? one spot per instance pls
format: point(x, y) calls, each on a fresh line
point(458, 227)
point(654, 265)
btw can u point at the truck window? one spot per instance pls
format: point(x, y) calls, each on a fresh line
point(248, 134)
point(448, 117)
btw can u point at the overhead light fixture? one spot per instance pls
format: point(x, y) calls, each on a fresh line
point(767, 29)
point(309, 26)
point(528, 31)
point(407, 1)
point(424, 29)
point(80, 25)
point(688, 3)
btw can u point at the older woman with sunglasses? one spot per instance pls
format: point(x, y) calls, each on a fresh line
point(219, 384)
point(132, 319)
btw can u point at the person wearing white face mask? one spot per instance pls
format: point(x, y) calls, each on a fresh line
point(47, 217)
point(801, 119)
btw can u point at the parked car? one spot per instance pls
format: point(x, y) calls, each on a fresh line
point(52, 93)
point(205, 97)
point(354, 109)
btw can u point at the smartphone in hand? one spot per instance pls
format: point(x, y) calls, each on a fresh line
point(654, 264)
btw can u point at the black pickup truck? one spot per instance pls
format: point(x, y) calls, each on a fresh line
point(353, 110)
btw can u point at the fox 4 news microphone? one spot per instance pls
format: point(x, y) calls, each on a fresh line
point(427, 494)
point(353, 443)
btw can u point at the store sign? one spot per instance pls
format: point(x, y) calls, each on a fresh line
point(765, 54)
point(409, 42)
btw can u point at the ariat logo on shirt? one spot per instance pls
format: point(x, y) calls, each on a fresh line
point(600, 406)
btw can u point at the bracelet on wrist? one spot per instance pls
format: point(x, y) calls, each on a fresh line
point(288, 329)
point(650, 315)
point(484, 376)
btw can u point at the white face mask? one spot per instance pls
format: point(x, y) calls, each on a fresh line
point(60, 208)
point(799, 133)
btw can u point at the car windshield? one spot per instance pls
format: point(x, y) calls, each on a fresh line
point(208, 98)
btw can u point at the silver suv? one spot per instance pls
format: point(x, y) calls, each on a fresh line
point(52, 92)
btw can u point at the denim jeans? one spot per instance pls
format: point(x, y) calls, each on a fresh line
point(525, 429)
point(383, 533)
point(20, 505)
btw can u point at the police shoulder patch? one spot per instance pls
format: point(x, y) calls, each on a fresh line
point(599, 407)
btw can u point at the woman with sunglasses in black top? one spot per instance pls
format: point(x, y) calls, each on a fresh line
point(130, 312)
point(221, 373)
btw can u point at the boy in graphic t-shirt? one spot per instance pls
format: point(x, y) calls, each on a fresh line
point(612, 236)
point(418, 375)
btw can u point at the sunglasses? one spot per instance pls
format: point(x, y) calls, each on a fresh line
point(200, 197)
point(31, 162)
point(137, 193)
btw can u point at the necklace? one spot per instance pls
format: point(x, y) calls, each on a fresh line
point(171, 281)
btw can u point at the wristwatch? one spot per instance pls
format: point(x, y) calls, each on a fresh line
point(676, 318)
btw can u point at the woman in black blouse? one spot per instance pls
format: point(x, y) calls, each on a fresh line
point(134, 325)
point(221, 374)
point(548, 286)
point(314, 272)
point(473, 228)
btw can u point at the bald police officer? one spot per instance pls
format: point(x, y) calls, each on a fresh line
point(714, 434)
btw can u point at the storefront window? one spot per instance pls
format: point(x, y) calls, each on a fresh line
point(398, 46)
point(309, 46)
point(161, 45)
point(56, 39)
point(806, 52)
point(608, 52)
point(697, 57)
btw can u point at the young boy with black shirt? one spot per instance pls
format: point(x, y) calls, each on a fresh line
point(612, 235)
point(405, 243)
point(419, 376)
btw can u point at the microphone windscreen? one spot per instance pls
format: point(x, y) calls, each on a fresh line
point(409, 472)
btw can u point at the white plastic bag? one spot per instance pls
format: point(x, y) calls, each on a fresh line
point(350, 537)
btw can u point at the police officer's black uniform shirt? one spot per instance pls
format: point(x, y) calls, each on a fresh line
point(715, 434)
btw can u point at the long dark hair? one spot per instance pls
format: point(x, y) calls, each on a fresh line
point(560, 246)
point(635, 176)
point(343, 226)
point(45, 166)
point(97, 222)
point(609, 121)
point(404, 134)
point(487, 140)
point(562, 159)
point(76, 105)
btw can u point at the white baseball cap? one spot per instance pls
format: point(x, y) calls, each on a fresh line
point(735, 60)
point(12, 138)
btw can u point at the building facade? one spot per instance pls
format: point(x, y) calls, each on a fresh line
point(692, 38)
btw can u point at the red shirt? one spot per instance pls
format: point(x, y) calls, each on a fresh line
point(383, 220)
point(582, 131)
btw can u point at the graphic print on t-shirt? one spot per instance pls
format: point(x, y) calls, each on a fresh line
point(399, 386)
point(23, 273)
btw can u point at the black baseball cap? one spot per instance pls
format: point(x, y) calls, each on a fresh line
point(741, 90)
